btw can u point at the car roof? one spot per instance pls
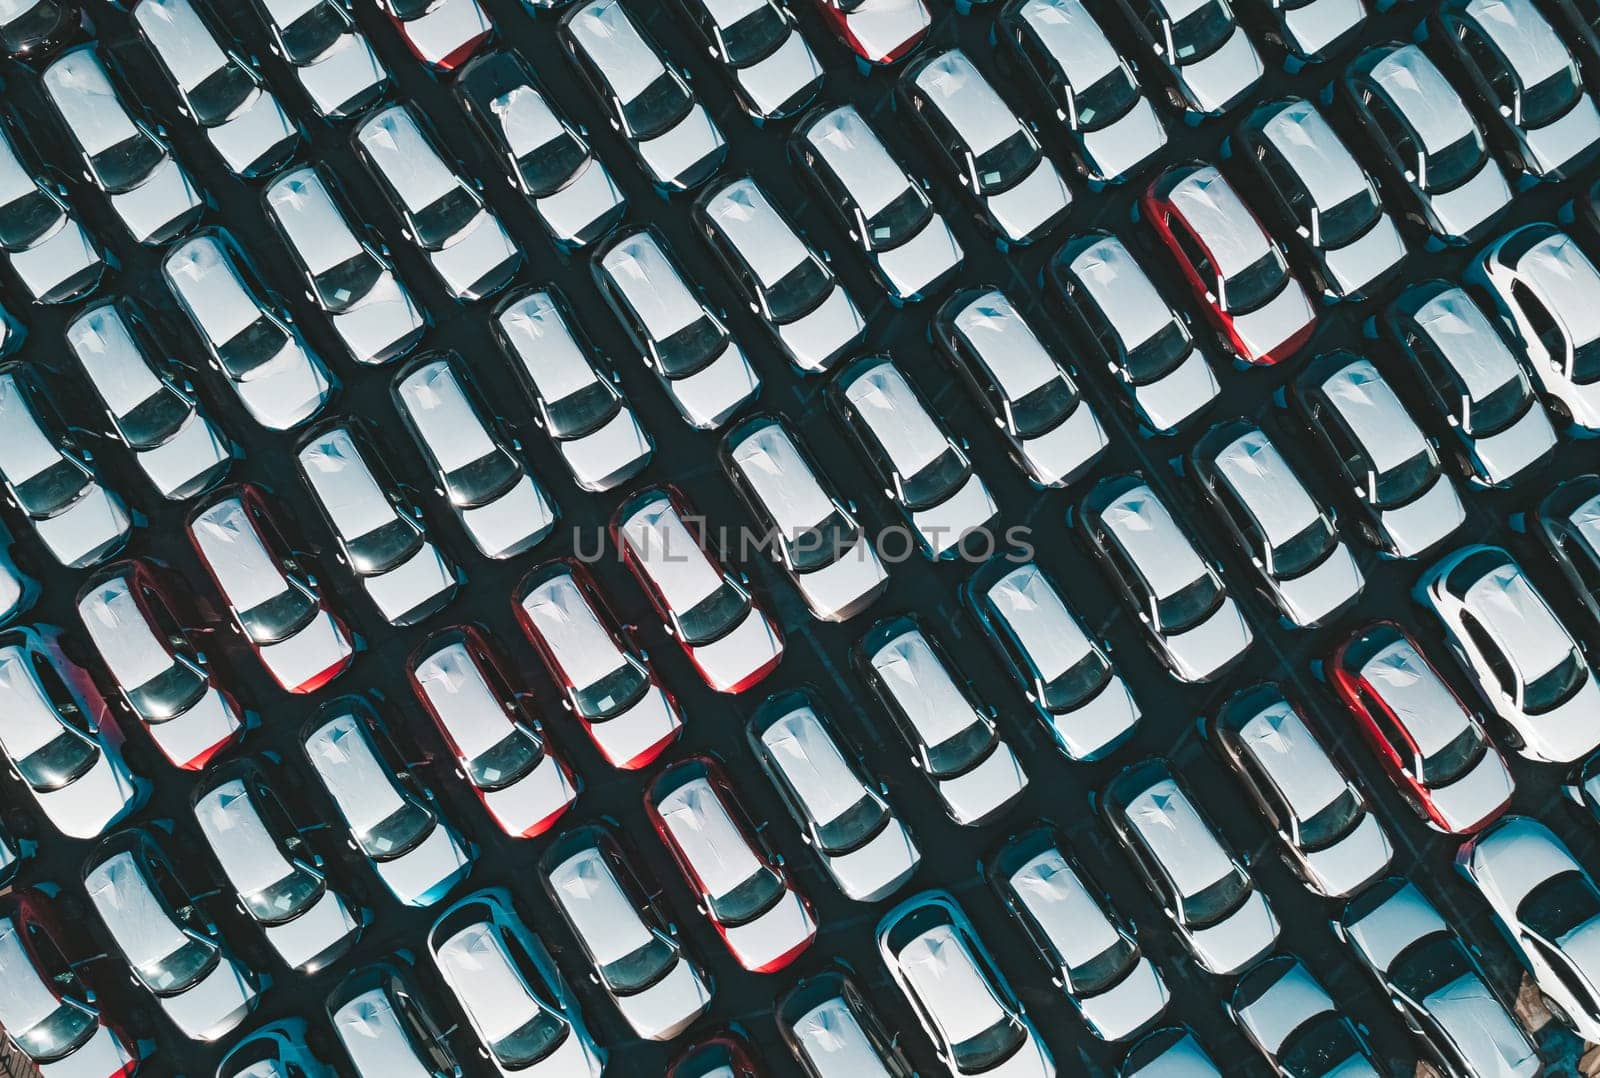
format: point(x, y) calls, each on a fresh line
point(970, 105)
point(611, 40)
point(203, 271)
point(810, 759)
point(1140, 523)
point(857, 157)
point(182, 41)
point(1373, 412)
point(1559, 271)
point(1475, 1018)
point(342, 754)
point(236, 554)
point(127, 642)
point(701, 825)
point(944, 974)
point(81, 90)
point(334, 465)
point(886, 403)
point(1297, 764)
point(923, 687)
point(1585, 519)
point(525, 118)
point(26, 449)
point(1121, 289)
point(1256, 471)
point(1385, 930)
point(1468, 341)
point(581, 643)
point(1006, 345)
point(372, 1033)
point(16, 179)
point(405, 158)
point(28, 719)
point(651, 284)
point(317, 230)
point(437, 403)
point(1072, 35)
point(1517, 616)
point(768, 459)
point(830, 1031)
point(1294, 998)
point(1415, 692)
point(1315, 153)
point(454, 687)
point(1523, 35)
point(25, 998)
point(116, 365)
point(727, 12)
point(1033, 608)
point(1427, 100)
point(544, 345)
point(489, 985)
point(1213, 209)
point(654, 529)
point(602, 912)
point(238, 836)
point(137, 919)
point(743, 213)
point(1064, 908)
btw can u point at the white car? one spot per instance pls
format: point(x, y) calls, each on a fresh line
point(329, 54)
point(761, 50)
point(50, 252)
point(1208, 56)
point(385, 1025)
point(835, 1033)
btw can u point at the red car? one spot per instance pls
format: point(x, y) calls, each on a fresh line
point(1235, 269)
point(441, 33)
point(726, 1055)
point(1434, 749)
point(747, 897)
point(878, 31)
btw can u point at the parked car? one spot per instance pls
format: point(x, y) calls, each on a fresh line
point(330, 56)
point(50, 253)
point(1432, 746)
point(834, 1032)
point(879, 32)
point(383, 1023)
point(887, 214)
point(36, 28)
point(277, 1047)
point(1207, 54)
point(1312, 32)
point(1168, 1052)
point(727, 1055)
point(1567, 524)
point(762, 51)
point(1292, 1021)
point(443, 34)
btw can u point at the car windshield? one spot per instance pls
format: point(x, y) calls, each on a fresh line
point(582, 411)
point(935, 481)
point(1304, 550)
point(962, 751)
point(1106, 99)
point(1005, 164)
point(1322, 1046)
point(1331, 822)
point(169, 694)
point(754, 37)
point(1429, 964)
point(124, 165)
point(547, 168)
point(253, 346)
point(1498, 408)
point(1454, 758)
point(530, 1042)
point(714, 616)
point(504, 762)
point(27, 217)
point(1585, 367)
point(284, 900)
point(691, 348)
point(900, 220)
point(46, 493)
point(57, 1035)
point(1105, 969)
point(1404, 481)
point(641, 967)
point(483, 480)
point(397, 833)
point(819, 546)
point(1076, 683)
point(1215, 901)
point(1559, 904)
point(384, 547)
point(1549, 98)
point(221, 94)
point(748, 899)
point(410, 9)
point(1344, 221)
point(312, 34)
point(1043, 408)
point(59, 762)
point(437, 223)
point(1158, 354)
point(341, 285)
point(798, 292)
point(1455, 164)
point(1190, 604)
point(854, 827)
point(1201, 32)
point(27, 30)
point(1555, 686)
point(1257, 283)
point(279, 617)
point(611, 695)
point(181, 970)
point(988, 1049)
point(657, 107)
point(155, 419)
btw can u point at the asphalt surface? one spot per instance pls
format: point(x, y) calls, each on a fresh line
point(817, 654)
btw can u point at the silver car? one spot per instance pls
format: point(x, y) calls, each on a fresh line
point(1292, 1021)
point(994, 157)
point(500, 505)
point(953, 742)
point(1206, 52)
point(278, 882)
point(50, 481)
point(813, 534)
point(849, 824)
point(248, 340)
point(1312, 30)
point(761, 49)
point(1288, 538)
point(276, 1050)
point(440, 213)
point(576, 401)
point(682, 342)
point(648, 102)
point(353, 285)
point(329, 54)
point(924, 472)
point(1054, 434)
point(176, 445)
point(1328, 833)
point(887, 213)
point(792, 290)
point(1218, 911)
point(217, 88)
point(379, 538)
point(385, 1026)
point(1145, 344)
point(835, 1033)
point(172, 950)
point(1067, 56)
point(1169, 1052)
point(122, 156)
point(50, 252)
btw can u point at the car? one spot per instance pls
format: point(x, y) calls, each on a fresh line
point(275, 1048)
point(1523, 660)
point(834, 1032)
point(1311, 32)
point(128, 614)
point(1543, 289)
point(1518, 66)
point(762, 918)
point(149, 191)
point(1290, 541)
point(1053, 434)
point(516, 1001)
point(176, 444)
point(993, 156)
point(170, 946)
point(36, 28)
point(1434, 749)
point(1469, 374)
point(51, 255)
point(269, 601)
point(1327, 831)
point(888, 215)
point(631, 948)
point(960, 997)
point(1168, 1052)
point(248, 339)
point(680, 340)
point(1409, 505)
point(924, 473)
point(1432, 148)
point(1291, 1020)
point(847, 822)
point(727, 1055)
point(376, 535)
point(1432, 979)
point(879, 32)
point(523, 785)
point(1065, 673)
point(731, 640)
point(1174, 590)
point(1547, 908)
point(352, 285)
point(49, 1013)
point(277, 880)
point(575, 396)
point(605, 682)
point(1126, 323)
point(330, 56)
point(50, 481)
point(1235, 268)
point(443, 34)
point(810, 532)
point(759, 46)
point(383, 1023)
point(501, 507)
point(649, 104)
point(1089, 950)
point(1061, 50)
point(17, 589)
point(1209, 58)
point(217, 89)
point(390, 818)
point(1315, 186)
point(441, 214)
point(789, 288)
point(953, 741)
point(545, 155)
point(1567, 525)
